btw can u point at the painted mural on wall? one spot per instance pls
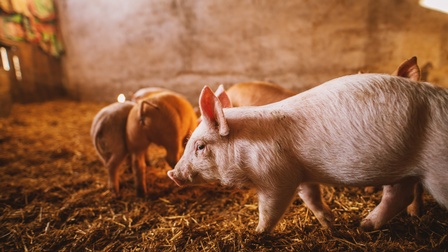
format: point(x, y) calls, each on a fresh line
point(34, 21)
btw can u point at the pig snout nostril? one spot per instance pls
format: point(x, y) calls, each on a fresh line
point(173, 177)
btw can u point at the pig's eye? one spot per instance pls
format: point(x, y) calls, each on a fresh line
point(200, 146)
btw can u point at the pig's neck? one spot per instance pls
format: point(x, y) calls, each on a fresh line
point(257, 140)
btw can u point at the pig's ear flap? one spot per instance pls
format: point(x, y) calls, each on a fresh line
point(408, 69)
point(212, 112)
point(223, 97)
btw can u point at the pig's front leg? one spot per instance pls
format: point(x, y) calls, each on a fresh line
point(174, 152)
point(312, 196)
point(272, 204)
point(395, 199)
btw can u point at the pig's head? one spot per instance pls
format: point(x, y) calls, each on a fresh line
point(201, 158)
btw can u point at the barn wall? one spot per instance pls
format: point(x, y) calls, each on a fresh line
point(41, 75)
point(114, 47)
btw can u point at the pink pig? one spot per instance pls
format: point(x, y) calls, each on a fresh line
point(108, 132)
point(164, 118)
point(357, 130)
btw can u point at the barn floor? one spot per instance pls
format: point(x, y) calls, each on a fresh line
point(54, 197)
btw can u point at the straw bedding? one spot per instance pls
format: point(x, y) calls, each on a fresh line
point(54, 197)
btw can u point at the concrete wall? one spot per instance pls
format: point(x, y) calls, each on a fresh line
point(116, 46)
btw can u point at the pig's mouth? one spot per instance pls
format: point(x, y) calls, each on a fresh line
point(193, 178)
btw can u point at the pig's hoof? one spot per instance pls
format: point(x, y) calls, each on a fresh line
point(414, 210)
point(367, 225)
point(262, 230)
point(115, 194)
point(370, 189)
point(325, 219)
point(141, 193)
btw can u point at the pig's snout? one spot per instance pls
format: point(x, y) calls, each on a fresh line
point(172, 176)
point(175, 177)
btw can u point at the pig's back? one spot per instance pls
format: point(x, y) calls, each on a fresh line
point(354, 123)
point(179, 109)
point(147, 92)
point(110, 115)
point(257, 93)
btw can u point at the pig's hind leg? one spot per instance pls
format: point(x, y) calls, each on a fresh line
point(139, 170)
point(312, 196)
point(415, 208)
point(395, 199)
point(113, 168)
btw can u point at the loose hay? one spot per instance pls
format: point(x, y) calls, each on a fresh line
point(54, 197)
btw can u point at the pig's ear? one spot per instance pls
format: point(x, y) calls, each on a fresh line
point(212, 112)
point(223, 97)
point(408, 69)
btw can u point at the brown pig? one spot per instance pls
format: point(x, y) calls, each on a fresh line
point(257, 93)
point(108, 132)
point(254, 93)
point(146, 92)
point(166, 119)
point(356, 130)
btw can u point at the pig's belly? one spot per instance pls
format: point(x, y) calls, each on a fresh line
point(348, 155)
point(359, 159)
point(357, 171)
